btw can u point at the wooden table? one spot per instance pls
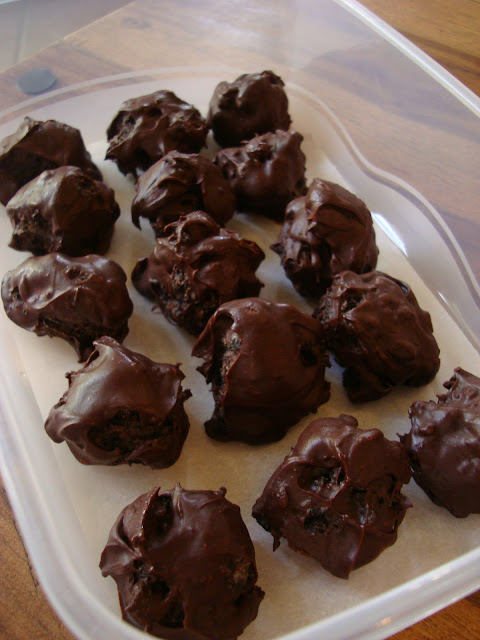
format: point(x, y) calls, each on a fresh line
point(449, 30)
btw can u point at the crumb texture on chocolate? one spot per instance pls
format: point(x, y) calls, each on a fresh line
point(443, 445)
point(376, 329)
point(196, 267)
point(337, 496)
point(148, 127)
point(77, 299)
point(122, 407)
point(184, 565)
point(266, 364)
point(327, 231)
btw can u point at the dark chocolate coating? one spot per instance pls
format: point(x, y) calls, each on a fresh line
point(197, 267)
point(37, 146)
point(63, 210)
point(148, 127)
point(266, 363)
point(337, 496)
point(178, 184)
point(77, 299)
point(266, 172)
point(325, 232)
point(120, 408)
point(444, 445)
point(377, 331)
point(184, 565)
point(253, 104)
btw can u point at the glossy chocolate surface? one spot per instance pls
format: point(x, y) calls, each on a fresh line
point(178, 184)
point(148, 127)
point(377, 331)
point(266, 363)
point(266, 172)
point(63, 210)
point(337, 495)
point(122, 407)
point(253, 104)
point(444, 445)
point(77, 299)
point(37, 146)
point(325, 232)
point(197, 267)
point(184, 565)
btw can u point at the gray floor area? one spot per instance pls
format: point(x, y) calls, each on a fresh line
point(27, 26)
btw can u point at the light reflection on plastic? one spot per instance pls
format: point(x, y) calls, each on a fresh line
point(390, 231)
point(383, 623)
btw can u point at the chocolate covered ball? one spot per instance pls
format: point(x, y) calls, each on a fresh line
point(197, 267)
point(148, 127)
point(37, 146)
point(377, 331)
point(254, 103)
point(77, 299)
point(325, 232)
point(63, 210)
point(184, 565)
point(337, 496)
point(266, 364)
point(178, 184)
point(266, 172)
point(121, 408)
point(444, 445)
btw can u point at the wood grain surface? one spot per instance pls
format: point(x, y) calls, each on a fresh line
point(448, 30)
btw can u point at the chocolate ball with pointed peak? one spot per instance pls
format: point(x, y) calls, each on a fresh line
point(77, 299)
point(377, 331)
point(148, 127)
point(253, 104)
point(37, 146)
point(196, 267)
point(337, 495)
point(444, 445)
point(266, 364)
point(178, 184)
point(63, 210)
point(184, 565)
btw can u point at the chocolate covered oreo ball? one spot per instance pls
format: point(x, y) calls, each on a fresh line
point(178, 184)
point(253, 104)
point(337, 496)
point(120, 408)
point(325, 232)
point(184, 565)
point(77, 299)
point(148, 127)
point(444, 445)
point(37, 146)
point(265, 173)
point(266, 364)
point(377, 331)
point(197, 267)
point(63, 210)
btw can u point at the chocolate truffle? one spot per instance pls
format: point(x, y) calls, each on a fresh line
point(254, 103)
point(377, 331)
point(197, 267)
point(37, 146)
point(265, 173)
point(337, 496)
point(122, 408)
point(184, 565)
point(148, 127)
point(63, 210)
point(77, 299)
point(178, 184)
point(444, 445)
point(266, 364)
point(325, 232)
